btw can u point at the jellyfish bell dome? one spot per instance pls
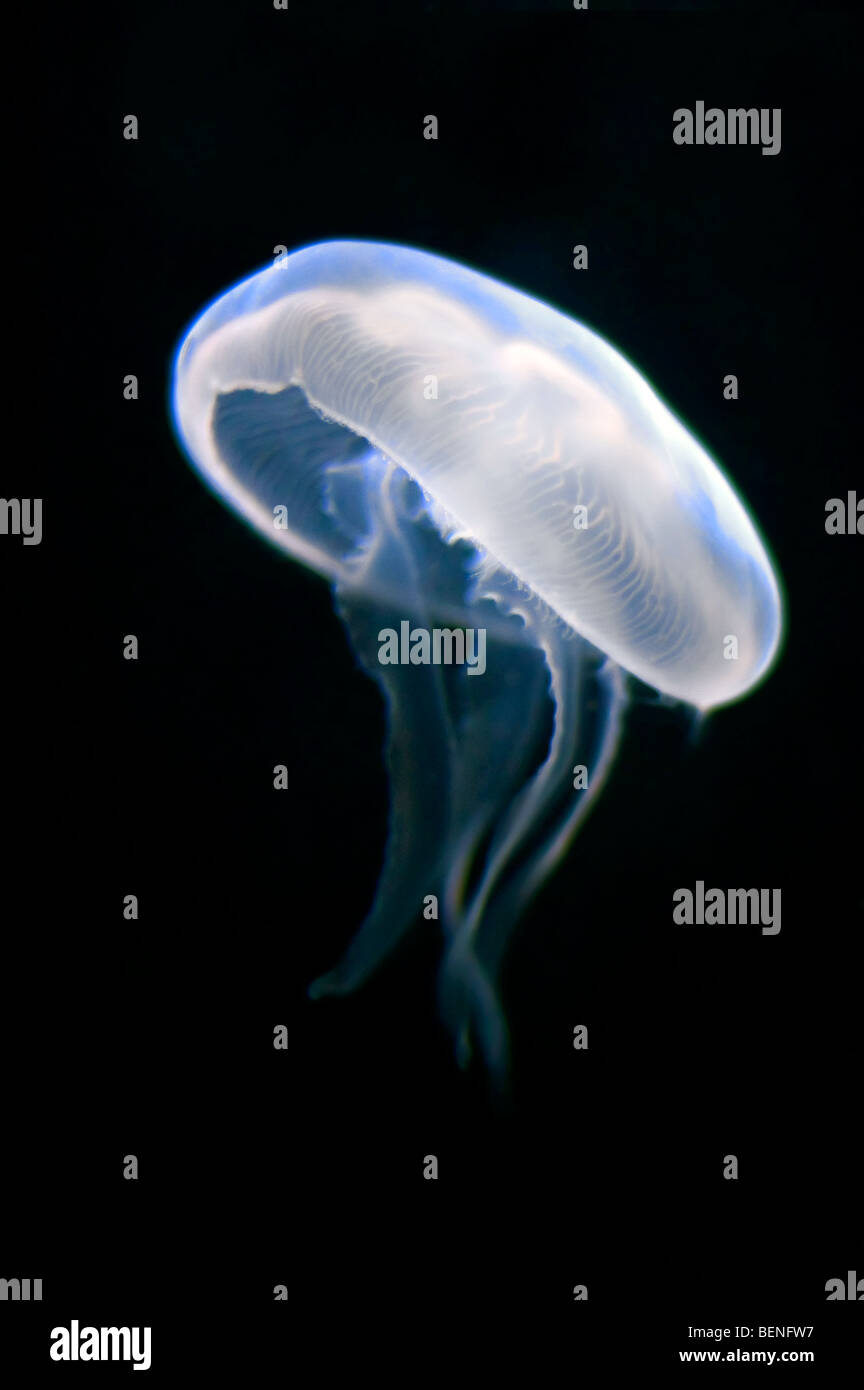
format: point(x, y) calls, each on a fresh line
point(528, 434)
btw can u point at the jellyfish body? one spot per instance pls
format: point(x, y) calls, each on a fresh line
point(447, 450)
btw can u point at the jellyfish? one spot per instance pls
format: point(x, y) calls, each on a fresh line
point(457, 457)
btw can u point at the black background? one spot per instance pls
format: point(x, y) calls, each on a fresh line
point(155, 777)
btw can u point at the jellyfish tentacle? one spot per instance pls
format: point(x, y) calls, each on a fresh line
point(468, 980)
point(417, 820)
point(499, 921)
point(417, 720)
point(470, 1007)
point(511, 694)
point(565, 662)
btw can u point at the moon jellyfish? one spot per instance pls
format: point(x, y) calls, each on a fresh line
point(475, 473)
